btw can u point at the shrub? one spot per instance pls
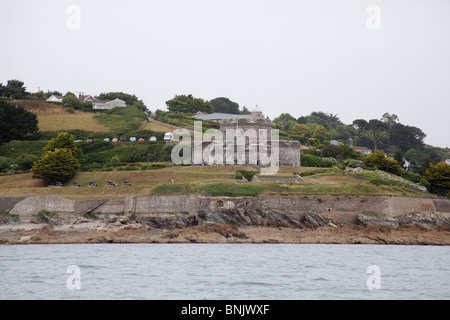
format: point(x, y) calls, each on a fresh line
point(378, 159)
point(26, 161)
point(246, 174)
point(309, 160)
point(439, 177)
point(4, 164)
point(57, 165)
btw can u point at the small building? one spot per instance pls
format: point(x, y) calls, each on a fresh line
point(363, 150)
point(447, 161)
point(217, 116)
point(303, 149)
point(55, 98)
point(107, 105)
point(250, 143)
point(86, 98)
point(335, 143)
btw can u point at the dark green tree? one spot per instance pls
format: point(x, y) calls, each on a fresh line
point(399, 158)
point(378, 159)
point(57, 165)
point(70, 100)
point(284, 122)
point(189, 104)
point(225, 105)
point(406, 137)
point(64, 140)
point(16, 123)
point(439, 177)
point(130, 99)
point(60, 160)
point(376, 127)
point(360, 125)
point(14, 89)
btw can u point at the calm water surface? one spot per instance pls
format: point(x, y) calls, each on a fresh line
point(223, 271)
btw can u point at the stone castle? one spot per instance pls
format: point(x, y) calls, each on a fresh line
point(254, 136)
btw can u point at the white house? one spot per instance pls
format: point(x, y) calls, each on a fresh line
point(363, 150)
point(335, 143)
point(107, 105)
point(86, 98)
point(54, 98)
point(447, 161)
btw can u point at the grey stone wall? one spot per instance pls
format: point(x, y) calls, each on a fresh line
point(342, 208)
point(246, 139)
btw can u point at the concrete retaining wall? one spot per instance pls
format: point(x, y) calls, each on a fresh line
point(341, 208)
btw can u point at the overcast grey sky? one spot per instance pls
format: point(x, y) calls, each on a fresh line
point(286, 56)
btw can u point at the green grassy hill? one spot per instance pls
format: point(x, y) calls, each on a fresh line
point(216, 181)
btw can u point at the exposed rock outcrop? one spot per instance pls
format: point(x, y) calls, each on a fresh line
point(172, 222)
point(377, 220)
point(315, 220)
point(426, 221)
point(247, 217)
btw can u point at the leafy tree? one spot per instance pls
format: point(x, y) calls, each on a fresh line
point(341, 152)
point(300, 131)
point(4, 164)
point(389, 119)
point(189, 104)
point(14, 89)
point(360, 125)
point(26, 161)
point(71, 101)
point(16, 123)
point(245, 110)
point(64, 140)
point(330, 121)
point(225, 105)
point(399, 158)
point(439, 177)
point(341, 132)
point(130, 99)
point(321, 133)
point(378, 159)
point(56, 165)
point(418, 160)
point(376, 127)
point(284, 122)
point(406, 137)
point(40, 95)
point(60, 160)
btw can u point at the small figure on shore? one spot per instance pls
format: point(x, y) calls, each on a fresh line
point(171, 181)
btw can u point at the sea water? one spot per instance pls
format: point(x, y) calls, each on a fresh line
point(224, 271)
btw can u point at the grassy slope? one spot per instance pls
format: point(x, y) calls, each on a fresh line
point(158, 127)
point(53, 117)
point(214, 180)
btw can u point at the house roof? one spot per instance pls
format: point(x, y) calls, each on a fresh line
point(335, 142)
point(58, 97)
point(256, 109)
point(84, 97)
point(221, 116)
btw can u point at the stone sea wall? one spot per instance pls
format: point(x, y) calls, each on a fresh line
point(342, 209)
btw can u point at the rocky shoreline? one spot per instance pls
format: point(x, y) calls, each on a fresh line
point(227, 226)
